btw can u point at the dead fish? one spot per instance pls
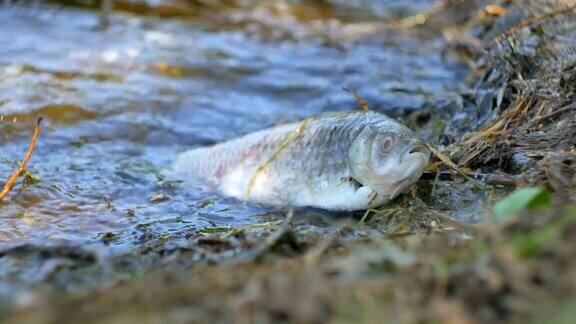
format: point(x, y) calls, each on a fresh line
point(339, 161)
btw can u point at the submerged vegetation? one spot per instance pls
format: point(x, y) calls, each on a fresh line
point(494, 243)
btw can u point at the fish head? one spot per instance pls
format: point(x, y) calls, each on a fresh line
point(388, 157)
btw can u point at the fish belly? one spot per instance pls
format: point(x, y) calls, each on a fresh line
point(287, 189)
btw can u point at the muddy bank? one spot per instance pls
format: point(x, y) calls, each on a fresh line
point(438, 253)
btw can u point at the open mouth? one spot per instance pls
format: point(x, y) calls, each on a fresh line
point(418, 149)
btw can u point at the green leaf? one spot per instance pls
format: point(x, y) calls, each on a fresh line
point(527, 244)
point(520, 199)
point(441, 271)
point(30, 178)
point(204, 203)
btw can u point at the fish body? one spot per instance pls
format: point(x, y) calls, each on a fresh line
point(339, 161)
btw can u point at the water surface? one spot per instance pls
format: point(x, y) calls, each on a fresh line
point(120, 103)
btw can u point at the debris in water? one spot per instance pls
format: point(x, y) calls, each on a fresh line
point(159, 197)
point(22, 167)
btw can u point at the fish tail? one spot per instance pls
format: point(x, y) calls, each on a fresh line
point(185, 163)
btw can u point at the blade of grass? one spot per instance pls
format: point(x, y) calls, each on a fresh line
point(361, 102)
point(446, 160)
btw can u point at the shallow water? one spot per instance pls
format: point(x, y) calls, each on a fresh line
point(120, 103)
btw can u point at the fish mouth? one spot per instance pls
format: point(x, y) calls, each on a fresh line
point(407, 169)
point(417, 156)
point(416, 160)
point(419, 149)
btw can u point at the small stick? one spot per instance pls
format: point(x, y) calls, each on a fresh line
point(551, 114)
point(361, 102)
point(361, 221)
point(446, 160)
point(22, 167)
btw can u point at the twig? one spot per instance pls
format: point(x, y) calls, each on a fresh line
point(446, 160)
point(500, 179)
point(365, 215)
point(361, 102)
point(22, 167)
point(538, 120)
point(361, 221)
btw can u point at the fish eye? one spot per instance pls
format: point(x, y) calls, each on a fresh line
point(387, 143)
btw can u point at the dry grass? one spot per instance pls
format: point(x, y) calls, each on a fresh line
point(538, 127)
